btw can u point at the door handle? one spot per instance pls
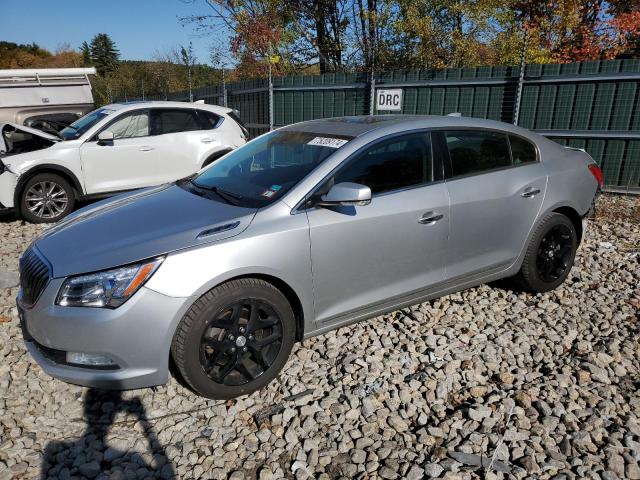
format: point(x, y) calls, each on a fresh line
point(206, 140)
point(146, 148)
point(430, 218)
point(530, 192)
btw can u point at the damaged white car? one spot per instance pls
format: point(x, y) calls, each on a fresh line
point(113, 149)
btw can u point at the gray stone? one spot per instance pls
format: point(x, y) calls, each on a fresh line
point(9, 279)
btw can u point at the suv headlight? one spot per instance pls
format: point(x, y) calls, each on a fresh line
point(109, 289)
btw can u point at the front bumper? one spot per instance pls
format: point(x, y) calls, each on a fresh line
point(137, 336)
point(8, 183)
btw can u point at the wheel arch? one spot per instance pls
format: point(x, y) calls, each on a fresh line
point(45, 168)
point(573, 215)
point(289, 293)
point(281, 285)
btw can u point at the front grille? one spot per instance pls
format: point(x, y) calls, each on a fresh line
point(34, 276)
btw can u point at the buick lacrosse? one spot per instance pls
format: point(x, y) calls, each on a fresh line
point(302, 230)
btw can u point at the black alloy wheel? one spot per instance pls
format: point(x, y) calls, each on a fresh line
point(549, 255)
point(241, 342)
point(554, 253)
point(235, 339)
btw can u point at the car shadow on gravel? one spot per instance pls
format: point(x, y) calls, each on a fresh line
point(8, 216)
point(92, 456)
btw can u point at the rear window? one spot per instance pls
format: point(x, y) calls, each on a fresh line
point(477, 151)
point(522, 150)
point(173, 120)
point(209, 120)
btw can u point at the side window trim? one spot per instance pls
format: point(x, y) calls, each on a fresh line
point(436, 166)
point(113, 120)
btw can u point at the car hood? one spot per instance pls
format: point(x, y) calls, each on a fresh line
point(137, 226)
point(21, 128)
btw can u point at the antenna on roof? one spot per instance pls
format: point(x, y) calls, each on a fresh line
point(454, 114)
point(200, 102)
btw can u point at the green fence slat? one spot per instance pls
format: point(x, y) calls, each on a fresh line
point(410, 101)
point(631, 166)
point(437, 101)
point(496, 96)
point(612, 161)
point(423, 101)
point(601, 111)
point(546, 107)
point(623, 106)
point(451, 100)
point(481, 103)
point(582, 111)
point(465, 104)
point(528, 107)
point(564, 107)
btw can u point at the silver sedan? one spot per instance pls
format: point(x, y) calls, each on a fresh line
point(303, 230)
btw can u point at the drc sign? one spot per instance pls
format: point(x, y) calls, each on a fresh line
point(389, 99)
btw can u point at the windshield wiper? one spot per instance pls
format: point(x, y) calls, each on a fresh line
point(228, 197)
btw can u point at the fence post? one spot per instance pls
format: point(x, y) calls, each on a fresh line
point(270, 98)
point(516, 111)
point(224, 90)
point(372, 96)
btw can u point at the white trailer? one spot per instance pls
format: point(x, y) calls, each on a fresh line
point(54, 95)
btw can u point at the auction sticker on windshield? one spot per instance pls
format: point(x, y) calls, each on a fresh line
point(328, 142)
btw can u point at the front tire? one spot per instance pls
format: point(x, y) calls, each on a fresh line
point(235, 339)
point(46, 198)
point(550, 254)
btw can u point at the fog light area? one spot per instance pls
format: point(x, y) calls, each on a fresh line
point(88, 359)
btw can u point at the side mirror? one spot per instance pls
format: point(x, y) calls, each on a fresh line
point(346, 193)
point(105, 136)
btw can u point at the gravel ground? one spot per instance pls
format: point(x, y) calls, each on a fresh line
point(487, 383)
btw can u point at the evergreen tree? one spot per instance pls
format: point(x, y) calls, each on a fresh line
point(104, 54)
point(85, 50)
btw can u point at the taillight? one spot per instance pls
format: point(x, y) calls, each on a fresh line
point(597, 173)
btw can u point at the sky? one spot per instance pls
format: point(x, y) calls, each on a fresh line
point(138, 27)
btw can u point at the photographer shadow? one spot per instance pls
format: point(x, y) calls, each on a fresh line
point(91, 456)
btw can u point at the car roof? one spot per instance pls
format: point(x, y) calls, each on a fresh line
point(355, 126)
point(158, 103)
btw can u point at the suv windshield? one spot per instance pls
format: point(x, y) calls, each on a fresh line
point(80, 126)
point(262, 171)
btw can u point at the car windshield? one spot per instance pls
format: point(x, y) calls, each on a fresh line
point(265, 169)
point(80, 126)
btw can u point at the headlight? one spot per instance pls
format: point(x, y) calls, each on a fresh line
point(109, 289)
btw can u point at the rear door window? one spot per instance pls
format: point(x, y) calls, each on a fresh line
point(477, 151)
point(174, 120)
point(522, 150)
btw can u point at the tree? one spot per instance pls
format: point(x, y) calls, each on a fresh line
point(104, 54)
point(188, 60)
point(85, 50)
point(14, 55)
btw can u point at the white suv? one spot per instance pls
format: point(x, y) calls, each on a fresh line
point(115, 148)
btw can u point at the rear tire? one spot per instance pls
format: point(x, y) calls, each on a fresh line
point(234, 339)
point(46, 198)
point(550, 254)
